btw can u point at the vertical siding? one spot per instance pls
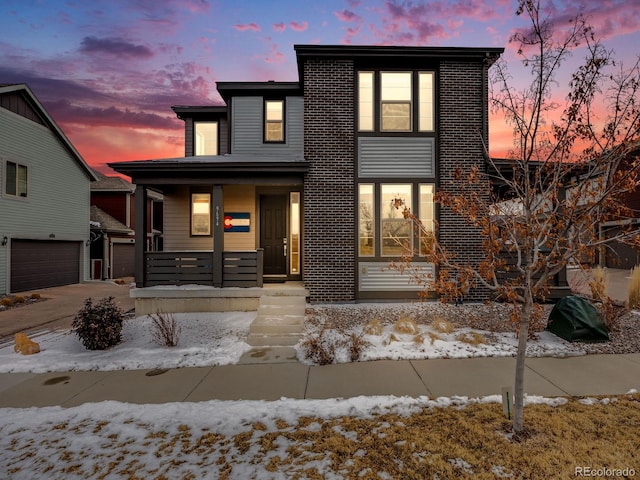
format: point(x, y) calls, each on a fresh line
point(58, 189)
point(188, 137)
point(246, 132)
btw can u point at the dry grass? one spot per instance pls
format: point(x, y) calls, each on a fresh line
point(443, 325)
point(633, 301)
point(472, 338)
point(598, 284)
point(445, 443)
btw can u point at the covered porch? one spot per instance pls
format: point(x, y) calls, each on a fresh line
point(231, 221)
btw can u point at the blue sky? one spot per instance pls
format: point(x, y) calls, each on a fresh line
point(108, 71)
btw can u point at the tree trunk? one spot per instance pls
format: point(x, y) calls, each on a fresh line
point(518, 411)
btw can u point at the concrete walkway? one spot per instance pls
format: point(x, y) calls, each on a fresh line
point(60, 306)
point(477, 377)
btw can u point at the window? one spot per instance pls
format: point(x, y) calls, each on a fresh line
point(382, 229)
point(201, 214)
point(206, 138)
point(426, 214)
point(16, 179)
point(395, 101)
point(294, 222)
point(366, 220)
point(274, 121)
point(392, 100)
point(365, 101)
point(397, 237)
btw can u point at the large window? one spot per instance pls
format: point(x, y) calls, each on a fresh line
point(382, 229)
point(403, 97)
point(201, 214)
point(16, 181)
point(206, 138)
point(274, 121)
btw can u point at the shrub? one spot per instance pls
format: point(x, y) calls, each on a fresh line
point(634, 289)
point(164, 329)
point(18, 299)
point(6, 302)
point(442, 325)
point(35, 296)
point(318, 350)
point(598, 284)
point(99, 325)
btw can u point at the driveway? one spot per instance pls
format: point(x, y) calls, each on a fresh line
point(60, 307)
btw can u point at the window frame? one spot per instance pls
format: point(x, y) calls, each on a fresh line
point(416, 187)
point(195, 136)
point(266, 121)
point(18, 180)
point(193, 230)
point(421, 122)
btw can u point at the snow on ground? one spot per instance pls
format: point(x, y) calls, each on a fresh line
point(205, 340)
point(143, 437)
point(209, 339)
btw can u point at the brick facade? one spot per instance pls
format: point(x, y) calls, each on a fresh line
point(329, 205)
point(463, 117)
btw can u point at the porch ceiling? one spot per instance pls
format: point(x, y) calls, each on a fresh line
point(207, 169)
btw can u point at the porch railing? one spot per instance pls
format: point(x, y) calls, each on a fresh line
point(239, 268)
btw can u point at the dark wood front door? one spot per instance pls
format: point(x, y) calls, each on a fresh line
point(273, 233)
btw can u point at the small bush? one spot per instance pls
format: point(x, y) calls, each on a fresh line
point(165, 330)
point(442, 325)
point(35, 296)
point(472, 338)
point(633, 299)
point(6, 302)
point(18, 299)
point(318, 350)
point(598, 284)
point(99, 325)
point(356, 345)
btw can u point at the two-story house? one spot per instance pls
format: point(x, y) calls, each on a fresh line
point(44, 198)
point(301, 175)
point(112, 224)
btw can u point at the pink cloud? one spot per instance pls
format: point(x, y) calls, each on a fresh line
point(299, 26)
point(279, 27)
point(254, 27)
point(275, 55)
point(347, 16)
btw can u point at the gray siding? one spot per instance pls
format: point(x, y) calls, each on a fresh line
point(247, 128)
point(58, 190)
point(396, 157)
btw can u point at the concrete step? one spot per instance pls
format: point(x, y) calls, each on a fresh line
point(279, 310)
point(283, 300)
point(257, 339)
point(273, 290)
point(276, 329)
point(280, 319)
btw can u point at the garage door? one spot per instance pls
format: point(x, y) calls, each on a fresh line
point(43, 263)
point(123, 260)
point(619, 255)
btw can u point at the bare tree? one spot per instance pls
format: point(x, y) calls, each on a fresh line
point(572, 165)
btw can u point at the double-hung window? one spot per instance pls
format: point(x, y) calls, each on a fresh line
point(200, 214)
point(16, 179)
point(206, 138)
point(274, 121)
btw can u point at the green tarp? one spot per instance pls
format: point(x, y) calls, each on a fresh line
point(577, 320)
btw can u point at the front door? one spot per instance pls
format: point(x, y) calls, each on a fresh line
point(273, 234)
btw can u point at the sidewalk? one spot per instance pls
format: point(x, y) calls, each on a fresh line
point(573, 376)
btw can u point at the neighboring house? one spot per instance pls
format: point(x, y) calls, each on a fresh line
point(301, 175)
point(44, 198)
point(112, 224)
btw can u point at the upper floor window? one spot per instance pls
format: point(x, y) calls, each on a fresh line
point(391, 101)
point(274, 121)
point(206, 138)
point(16, 179)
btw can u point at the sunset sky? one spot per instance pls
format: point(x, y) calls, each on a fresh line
point(108, 71)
